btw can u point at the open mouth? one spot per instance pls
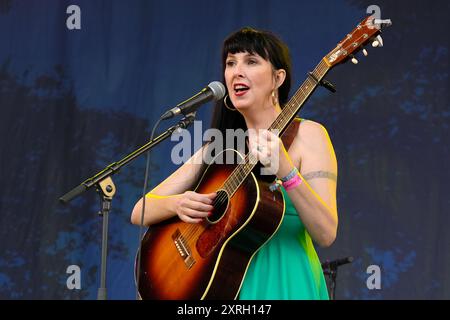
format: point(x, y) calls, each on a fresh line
point(240, 88)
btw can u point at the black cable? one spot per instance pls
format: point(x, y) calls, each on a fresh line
point(144, 192)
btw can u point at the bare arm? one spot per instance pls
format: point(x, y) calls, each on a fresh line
point(171, 198)
point(315, 197)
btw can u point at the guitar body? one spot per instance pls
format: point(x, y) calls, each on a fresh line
point(209, 260)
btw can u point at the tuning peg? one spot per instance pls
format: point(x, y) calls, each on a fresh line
point(380, 40)
point(364, 51)
point(354, 60)
point(383, 23)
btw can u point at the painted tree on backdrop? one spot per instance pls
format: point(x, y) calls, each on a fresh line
point(389, 123)
point(48, 146)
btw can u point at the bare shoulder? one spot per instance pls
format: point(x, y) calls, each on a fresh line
point(312, 149)
point(312, 135)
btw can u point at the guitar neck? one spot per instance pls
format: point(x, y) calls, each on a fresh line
point(285, 117)
point(299, 98)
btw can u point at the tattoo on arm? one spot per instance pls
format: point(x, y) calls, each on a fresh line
point(320, 174)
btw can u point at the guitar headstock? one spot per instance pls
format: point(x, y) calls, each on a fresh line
point(368, 31)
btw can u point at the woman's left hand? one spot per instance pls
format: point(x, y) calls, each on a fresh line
point(268, 148)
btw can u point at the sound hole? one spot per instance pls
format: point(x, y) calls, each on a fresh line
point(220, 206)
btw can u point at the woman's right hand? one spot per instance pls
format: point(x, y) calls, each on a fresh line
point(192, 207)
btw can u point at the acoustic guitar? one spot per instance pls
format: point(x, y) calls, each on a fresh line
point(209, 260)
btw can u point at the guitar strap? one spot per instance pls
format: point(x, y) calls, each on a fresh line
point(291, 131)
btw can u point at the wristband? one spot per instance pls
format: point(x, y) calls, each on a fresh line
point(290, 175)
point(292, 183)
point(281, 182)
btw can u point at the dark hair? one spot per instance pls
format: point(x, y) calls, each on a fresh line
point(270, 48)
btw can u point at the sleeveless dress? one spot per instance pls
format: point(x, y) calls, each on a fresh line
point(287, 266)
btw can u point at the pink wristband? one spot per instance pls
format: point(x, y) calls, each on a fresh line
point(292, 183)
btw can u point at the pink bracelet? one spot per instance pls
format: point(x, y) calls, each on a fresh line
point(292, 183)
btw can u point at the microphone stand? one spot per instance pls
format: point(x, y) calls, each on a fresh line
point(332, 274)
point(330, 270)
point(105, 187)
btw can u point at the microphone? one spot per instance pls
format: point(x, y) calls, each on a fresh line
point(336, 263)
point(215, 90)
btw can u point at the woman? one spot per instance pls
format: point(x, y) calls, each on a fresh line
point(256, 68)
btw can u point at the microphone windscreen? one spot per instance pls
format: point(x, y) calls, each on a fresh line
point(218, 90)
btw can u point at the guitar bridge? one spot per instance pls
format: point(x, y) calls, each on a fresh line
point(183, 249)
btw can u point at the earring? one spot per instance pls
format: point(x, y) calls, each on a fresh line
point(226, 105)
point(274, 98)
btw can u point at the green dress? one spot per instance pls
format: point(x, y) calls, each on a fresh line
point(287, 266)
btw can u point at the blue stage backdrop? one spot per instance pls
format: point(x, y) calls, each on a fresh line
point(74, 100)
